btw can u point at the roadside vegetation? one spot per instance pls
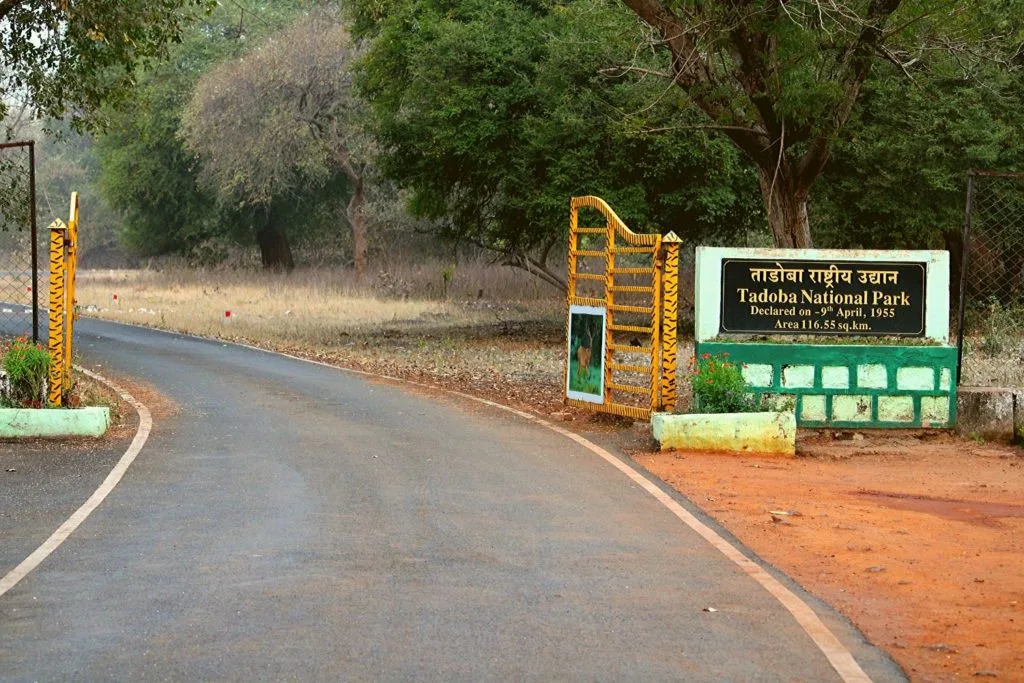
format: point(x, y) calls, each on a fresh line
point(305, 126)
point(318, 306)
point(24, 367)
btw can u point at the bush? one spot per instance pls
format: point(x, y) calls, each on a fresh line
point(27, 366)
point(1001, 328)
point(719, 387)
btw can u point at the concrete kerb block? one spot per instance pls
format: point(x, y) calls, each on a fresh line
point(991, 413)
point(33, 422)
point(772, 433)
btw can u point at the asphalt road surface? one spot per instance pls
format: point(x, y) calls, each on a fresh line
point(294, 522)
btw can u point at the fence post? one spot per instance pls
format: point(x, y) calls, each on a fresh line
point(56, 347)
point(965, 257)
point(35, 239)
point(71, 270)
point(670, 323)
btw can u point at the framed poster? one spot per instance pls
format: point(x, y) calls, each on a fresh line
point(584, 379)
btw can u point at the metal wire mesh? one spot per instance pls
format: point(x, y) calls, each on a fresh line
point(993, 281)
point(20, 278)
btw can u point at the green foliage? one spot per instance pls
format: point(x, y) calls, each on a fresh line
point(75, 58)
point(147, 173)
point(897, 177)
point(781, 80)
point(447, 275)
point(1001, 328)
point(67, 162)
point(719, 387)
point(26, 366)
point(493, 114)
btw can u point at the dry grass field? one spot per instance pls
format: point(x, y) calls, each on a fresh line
point(487, 328)
point(317, 307)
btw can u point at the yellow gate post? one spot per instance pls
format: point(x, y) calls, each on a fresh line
point(58, 291)
point(670, 322)
point(72, 271)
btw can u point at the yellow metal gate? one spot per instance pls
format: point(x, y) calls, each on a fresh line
point(627, 285)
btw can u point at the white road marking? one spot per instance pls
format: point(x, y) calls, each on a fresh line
point(81, 514)
point(838, 656)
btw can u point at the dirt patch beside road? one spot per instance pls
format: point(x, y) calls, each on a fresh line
point(919, 542)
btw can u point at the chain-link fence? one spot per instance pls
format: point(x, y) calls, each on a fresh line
point(991, 317)
point(21, 249)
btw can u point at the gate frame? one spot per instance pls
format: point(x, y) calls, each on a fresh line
point(664, 290)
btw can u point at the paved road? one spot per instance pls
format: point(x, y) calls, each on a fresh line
point(293, 522)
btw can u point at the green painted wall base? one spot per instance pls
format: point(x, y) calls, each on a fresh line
point(29, 422)
point(851, 386)
point(768, 433)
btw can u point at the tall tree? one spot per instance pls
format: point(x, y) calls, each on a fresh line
point(781, 78)
point(147, 173)
point(493, 113)
point(70, 57)
point(284, 119)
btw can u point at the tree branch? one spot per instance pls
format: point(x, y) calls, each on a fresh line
point(754, 51)
point(540, 270)
point(6, 6)
point(705, 126)
point(692, 73)
point(622, 70)
point(856, 63)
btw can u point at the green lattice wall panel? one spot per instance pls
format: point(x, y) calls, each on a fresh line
point(852, 386)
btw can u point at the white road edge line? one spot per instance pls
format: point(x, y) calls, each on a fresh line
point(81, 514)
point(838, 656)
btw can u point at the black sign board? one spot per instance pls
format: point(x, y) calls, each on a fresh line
point(799, 297)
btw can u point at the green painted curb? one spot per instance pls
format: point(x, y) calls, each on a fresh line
point(771, 433)
point(31, 422)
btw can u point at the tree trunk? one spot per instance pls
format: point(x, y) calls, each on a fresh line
point(357, 220)
point(275, 251)
point(786, 204)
